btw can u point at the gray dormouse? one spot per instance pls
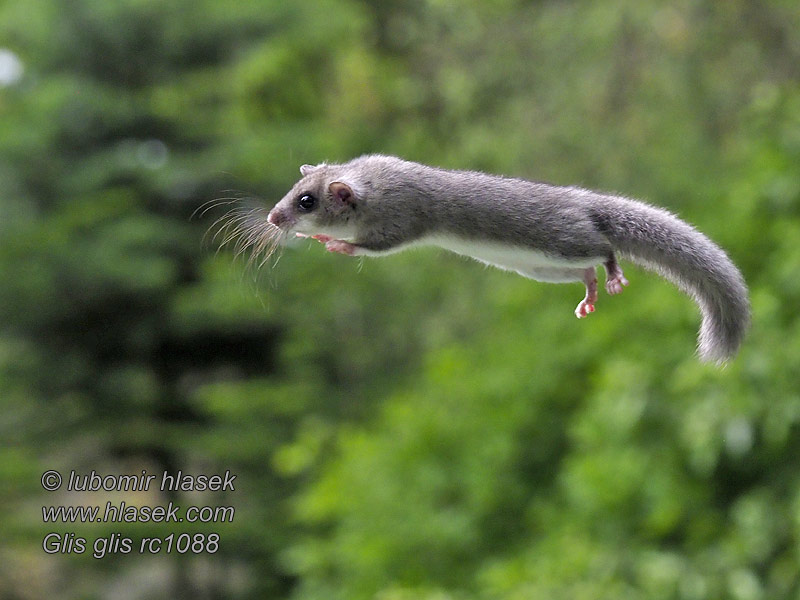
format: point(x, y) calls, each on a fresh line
point(376, 205)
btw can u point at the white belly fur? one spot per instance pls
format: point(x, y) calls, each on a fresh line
point(525, 261)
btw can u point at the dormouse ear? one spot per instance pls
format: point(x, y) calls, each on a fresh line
point(343, 192)
point(307, 170)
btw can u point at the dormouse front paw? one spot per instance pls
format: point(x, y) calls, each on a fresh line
point(341, 247)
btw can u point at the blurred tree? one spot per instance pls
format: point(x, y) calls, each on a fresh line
point(112, 315)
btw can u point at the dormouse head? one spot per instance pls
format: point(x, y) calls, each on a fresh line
point(324, 201)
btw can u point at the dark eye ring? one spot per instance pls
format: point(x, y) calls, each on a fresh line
point(306, 203)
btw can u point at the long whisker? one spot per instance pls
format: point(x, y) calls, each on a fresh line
point(232, 221)
point(208, 205)
point(248, 231)
point(245, 230)
point(235, 216)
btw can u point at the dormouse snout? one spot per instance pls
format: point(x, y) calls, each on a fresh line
point(277, 217)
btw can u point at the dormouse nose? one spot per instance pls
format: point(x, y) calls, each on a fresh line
point(276, 217)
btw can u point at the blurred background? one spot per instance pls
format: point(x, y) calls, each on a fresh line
point(417, 427)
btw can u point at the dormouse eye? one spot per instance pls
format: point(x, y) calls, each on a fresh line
point(306, 203)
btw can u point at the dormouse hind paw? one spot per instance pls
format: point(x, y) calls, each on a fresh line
point(586, 305)
point(615, 280)
point(584, 308)
point(615, 285)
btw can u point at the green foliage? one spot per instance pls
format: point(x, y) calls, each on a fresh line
point(414, 428)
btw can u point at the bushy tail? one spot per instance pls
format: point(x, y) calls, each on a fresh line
point(659, 241)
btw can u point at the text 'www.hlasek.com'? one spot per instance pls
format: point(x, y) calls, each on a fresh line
point(120, 511)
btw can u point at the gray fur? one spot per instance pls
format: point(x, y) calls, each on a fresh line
point(398, 202)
